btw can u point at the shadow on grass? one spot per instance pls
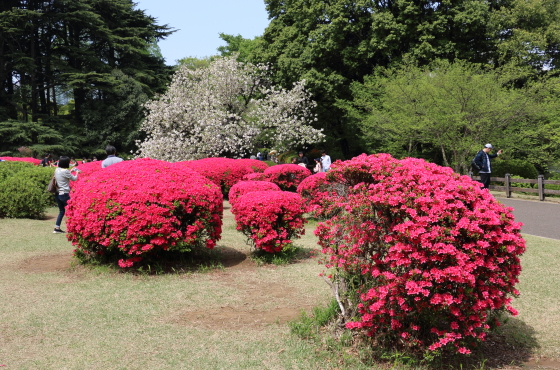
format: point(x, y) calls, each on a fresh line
point(512, 344)
point(168, 262)
point(230, 257)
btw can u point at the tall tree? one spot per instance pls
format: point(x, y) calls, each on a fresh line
point(74, 45)
point(226, 109)
point(332, 43)
point(453, 109)
point(529, 35)
point(243, 48)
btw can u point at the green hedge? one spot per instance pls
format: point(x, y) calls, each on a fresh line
point(515, 167)
point(23, 190)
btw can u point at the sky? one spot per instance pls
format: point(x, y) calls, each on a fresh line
point(199, 22)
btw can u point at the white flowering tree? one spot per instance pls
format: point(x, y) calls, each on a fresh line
point(226, 109)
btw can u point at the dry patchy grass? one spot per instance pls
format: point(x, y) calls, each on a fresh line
point(57, 315)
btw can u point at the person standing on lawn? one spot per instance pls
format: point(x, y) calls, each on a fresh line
point(63, 177)
point(482, 160)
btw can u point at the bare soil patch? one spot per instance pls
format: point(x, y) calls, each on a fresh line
point(47, 263)
point(262, 302)
point(232, 318)
point(542, 363)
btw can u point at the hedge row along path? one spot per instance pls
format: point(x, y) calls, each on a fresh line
point(539, 219)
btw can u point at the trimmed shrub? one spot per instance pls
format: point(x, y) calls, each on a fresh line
point(515, 167)
point(88, 168)
point(254, 177)
point(254, 164)
point(270, 219)
point(142, 208)
point(23, 190)
point(429, 258)
point(9, 169)
point(225, 172)
point(33, 161)
point(287, 176)
point(316, 190)
point(244, 187)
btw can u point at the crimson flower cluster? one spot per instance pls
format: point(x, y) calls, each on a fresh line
point(437, 257)
point(270, 219)
point(286, 176)
point(142, 207)
point(33, 161)
point(316, 190)
point(225, 172)
point(89, 168)
point(244, 187)
point(255, 176)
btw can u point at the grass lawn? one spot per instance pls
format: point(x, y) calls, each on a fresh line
point(56, 315)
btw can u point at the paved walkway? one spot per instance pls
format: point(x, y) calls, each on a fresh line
point(539, 218)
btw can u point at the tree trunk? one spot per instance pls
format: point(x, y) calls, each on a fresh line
point(445, 162)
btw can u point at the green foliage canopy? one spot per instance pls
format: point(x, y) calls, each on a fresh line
point(450, 108)
point(53, 50)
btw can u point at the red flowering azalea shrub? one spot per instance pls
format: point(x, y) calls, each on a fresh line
point(255, 176)
point(89, 168)
point(432, 256)
point(141, 208)
point(270, 219)
point(254, 164)
point(286, 176)
point(244, 187)
point(316, 190)
point(225, 172)
point(33, 161)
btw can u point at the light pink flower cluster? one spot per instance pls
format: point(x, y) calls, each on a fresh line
point(270, 219)
point(33, 161)
point(141, 207)
point(436, 255)
point(286, 176)
point(225, 172)
point(244, 187)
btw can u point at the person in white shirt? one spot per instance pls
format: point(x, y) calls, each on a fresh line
point(325, 161)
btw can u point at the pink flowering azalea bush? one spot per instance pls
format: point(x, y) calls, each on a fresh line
point(430, 258)
point(33, 161)
point(225, 172)
point(244, 187)
point(141, 208)
point(255, 176)
point(254, 164)
point(317, 191)
point(286, 176)
point(89, 168)
point(270, 219)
